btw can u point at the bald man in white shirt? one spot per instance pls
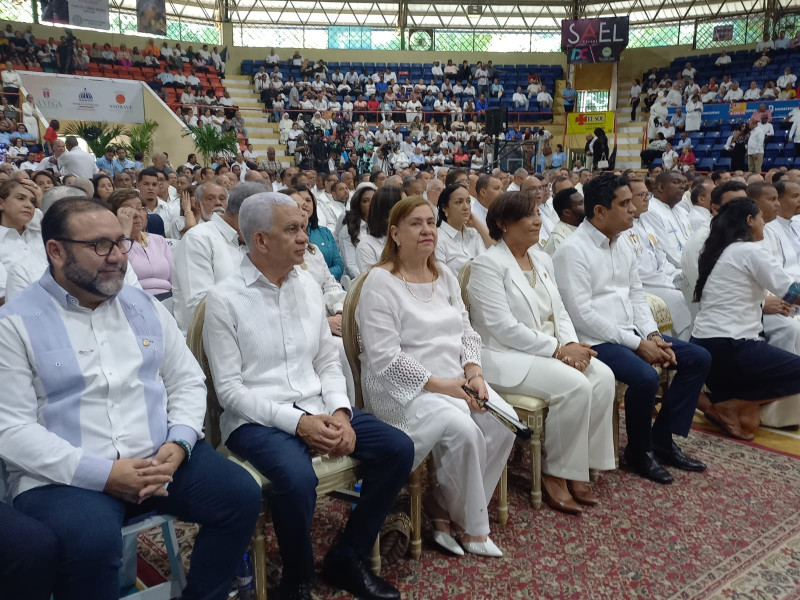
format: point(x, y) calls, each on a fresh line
point(207, 254)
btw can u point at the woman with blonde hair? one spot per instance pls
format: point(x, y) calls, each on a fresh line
point(421, 372)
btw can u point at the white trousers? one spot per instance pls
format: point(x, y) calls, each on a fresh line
point(469, 450)
point(784, 333)
point(682, 318)
point(578, 430)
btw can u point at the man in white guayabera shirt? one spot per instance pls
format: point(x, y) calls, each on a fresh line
point(103, 409)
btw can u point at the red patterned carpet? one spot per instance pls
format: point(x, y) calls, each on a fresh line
point(732, 533)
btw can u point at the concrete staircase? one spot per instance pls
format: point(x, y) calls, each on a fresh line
point(629, 134)
point(261, 132)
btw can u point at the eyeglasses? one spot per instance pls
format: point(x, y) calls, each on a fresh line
point(103, 246)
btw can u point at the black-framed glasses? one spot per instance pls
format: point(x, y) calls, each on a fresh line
point(103, 246)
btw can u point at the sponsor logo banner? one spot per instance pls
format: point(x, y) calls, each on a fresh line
point(743, 110)
point(594, 40)
point(587, 122)
point(70, 97)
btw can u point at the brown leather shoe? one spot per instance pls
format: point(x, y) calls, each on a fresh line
point(582, 492)
point(557, 497)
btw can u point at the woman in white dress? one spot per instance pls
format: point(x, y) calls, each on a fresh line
point(694, 113)
point(462, 237)
point(370, 246)
point(420, 355)
point(352, 227)
point(530, 348)
point(29, 117)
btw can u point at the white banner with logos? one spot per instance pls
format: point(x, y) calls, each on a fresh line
point(76, 98)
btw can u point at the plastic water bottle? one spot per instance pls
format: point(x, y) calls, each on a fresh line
point(244, 579)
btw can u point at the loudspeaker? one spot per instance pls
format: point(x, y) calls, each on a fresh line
point(496, 119)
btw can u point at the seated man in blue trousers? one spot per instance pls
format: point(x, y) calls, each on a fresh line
point(279, 380)
point(103, 408)
point(599, 281)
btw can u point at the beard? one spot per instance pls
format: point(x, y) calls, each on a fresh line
point(104, 284)
point(217, 210)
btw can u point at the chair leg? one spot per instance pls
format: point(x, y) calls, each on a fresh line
point(376, 556)
point(415, 491)
point(536, 468)
point(502, 497)
point(177, 574)
point(615, 428)
point(259, 555)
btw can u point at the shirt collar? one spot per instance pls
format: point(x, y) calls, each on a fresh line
point(598, 237)
point(251, 275)
point(448, 230)
point(228, 232)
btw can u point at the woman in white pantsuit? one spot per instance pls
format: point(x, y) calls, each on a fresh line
point(418, 352)
point(530, 347)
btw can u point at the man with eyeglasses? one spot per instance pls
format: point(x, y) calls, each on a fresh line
point(103, 408)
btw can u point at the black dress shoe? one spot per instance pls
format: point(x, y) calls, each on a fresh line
point(353, 575)
point(674, 457)
point(295, 591)
point(646, 465)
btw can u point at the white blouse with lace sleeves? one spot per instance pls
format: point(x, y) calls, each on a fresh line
point(405, 341)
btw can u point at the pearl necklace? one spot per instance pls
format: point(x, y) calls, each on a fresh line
point(433, 290)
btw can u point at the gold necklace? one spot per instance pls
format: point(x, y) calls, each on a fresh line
point(433, 289)
point(533, 281)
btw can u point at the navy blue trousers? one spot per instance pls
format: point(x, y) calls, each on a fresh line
point(750, 370)
point(209, 489)
point(386, 455)
point(677, 405)
point(28, 556)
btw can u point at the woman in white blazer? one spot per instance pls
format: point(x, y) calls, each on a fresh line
point(530, 347)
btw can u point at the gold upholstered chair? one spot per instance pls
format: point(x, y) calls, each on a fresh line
point(335, 475)
point(529, 409)
point(352, 347)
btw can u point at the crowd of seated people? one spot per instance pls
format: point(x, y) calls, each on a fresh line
point(71, 55)
point(403, 91)
point(684, 139)
point(272, 248)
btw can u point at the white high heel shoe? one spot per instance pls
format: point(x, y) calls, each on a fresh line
point(447, 542)
point(487, 548)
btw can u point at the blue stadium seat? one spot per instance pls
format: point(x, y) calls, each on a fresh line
point(723, 163)
point(707, 164)
point(782, 161)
